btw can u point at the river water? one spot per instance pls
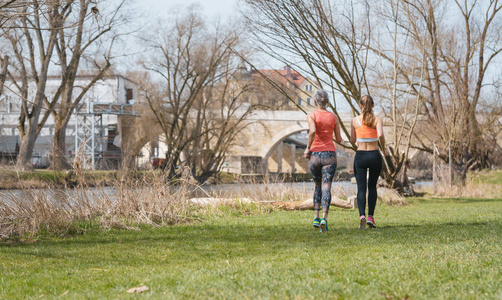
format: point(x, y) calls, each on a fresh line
point(339, 188)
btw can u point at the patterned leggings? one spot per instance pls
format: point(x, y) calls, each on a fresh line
point(322, 165)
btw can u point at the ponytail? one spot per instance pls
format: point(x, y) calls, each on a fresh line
point(367, 105)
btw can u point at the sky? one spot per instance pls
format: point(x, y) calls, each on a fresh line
point(211, 8)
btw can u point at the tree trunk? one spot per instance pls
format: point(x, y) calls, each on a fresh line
point(58, 159)
point(28, 140)
point(3, 72)
point(26, 147)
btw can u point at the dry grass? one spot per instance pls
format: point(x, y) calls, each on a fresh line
point(470, 190)
point(132, 201)
point(391, 197)
point(10, 178)
point(483, 184)
point(31, 213)
point(275, 191)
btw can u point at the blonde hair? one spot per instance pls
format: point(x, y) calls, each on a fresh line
point(366, 103)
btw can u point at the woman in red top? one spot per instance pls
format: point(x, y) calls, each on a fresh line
point(321, 152)
point(367, 130)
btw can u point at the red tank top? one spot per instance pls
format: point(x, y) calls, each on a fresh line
point(325, 122)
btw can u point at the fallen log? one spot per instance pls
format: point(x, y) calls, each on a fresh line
point(308, 204)
point(216, 201)
point(286, 205)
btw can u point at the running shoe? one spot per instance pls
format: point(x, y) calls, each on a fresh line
point(371, 222)
point(324, 225)
point(317, 223)
point(362, 223)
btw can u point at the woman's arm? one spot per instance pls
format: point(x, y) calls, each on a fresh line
point(310, 120)
point(381, 136)
point(352, 132)
point(338, 137)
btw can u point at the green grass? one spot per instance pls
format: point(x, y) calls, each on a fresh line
point(43, 178)
point(489, 177)
point(44, 175)
point(431, 249)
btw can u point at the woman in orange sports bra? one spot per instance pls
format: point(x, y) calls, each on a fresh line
point(322, 156)
point(367, 130)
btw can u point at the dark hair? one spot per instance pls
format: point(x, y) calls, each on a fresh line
point(367, 105)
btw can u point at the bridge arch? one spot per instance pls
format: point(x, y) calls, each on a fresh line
point(279, 137)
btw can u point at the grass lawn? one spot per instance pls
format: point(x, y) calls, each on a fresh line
point(432, 249)
point(490, 177)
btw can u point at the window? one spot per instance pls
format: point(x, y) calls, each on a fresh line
point(129, 95)
point(308, 101)
point(299, 101)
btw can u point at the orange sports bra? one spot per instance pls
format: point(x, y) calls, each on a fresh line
point(365, 133)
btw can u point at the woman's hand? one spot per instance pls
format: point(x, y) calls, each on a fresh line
point(306, 154)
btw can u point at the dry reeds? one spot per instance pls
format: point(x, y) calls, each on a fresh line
point(275, 191)
point(28, 213)
point(132, 200)
point(482, 184)
point(391, 197)
point(469, 190)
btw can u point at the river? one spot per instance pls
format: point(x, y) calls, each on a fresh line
point(339, 188)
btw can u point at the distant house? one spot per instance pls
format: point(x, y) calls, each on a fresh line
point(266, 82)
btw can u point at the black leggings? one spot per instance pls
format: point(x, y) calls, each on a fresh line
point(364, 161)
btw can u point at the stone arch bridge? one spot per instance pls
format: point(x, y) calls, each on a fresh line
point(274, 141)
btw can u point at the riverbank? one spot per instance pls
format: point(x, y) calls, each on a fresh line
point(36, 179)
point(42, 178)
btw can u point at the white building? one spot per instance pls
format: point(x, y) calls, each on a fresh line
point(102, 105)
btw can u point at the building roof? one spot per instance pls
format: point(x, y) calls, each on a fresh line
point(282, 76)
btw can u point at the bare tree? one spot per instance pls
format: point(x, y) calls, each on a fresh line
point(143, 128)
point(332, 42)
point(433, 72)
point(317, 39)
point(458, 60)
point(75, 31)
point(396, 71)
point(90, 25)
point(221, 117)
point(32, 44)
point(8, 10)
point(196, 103)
